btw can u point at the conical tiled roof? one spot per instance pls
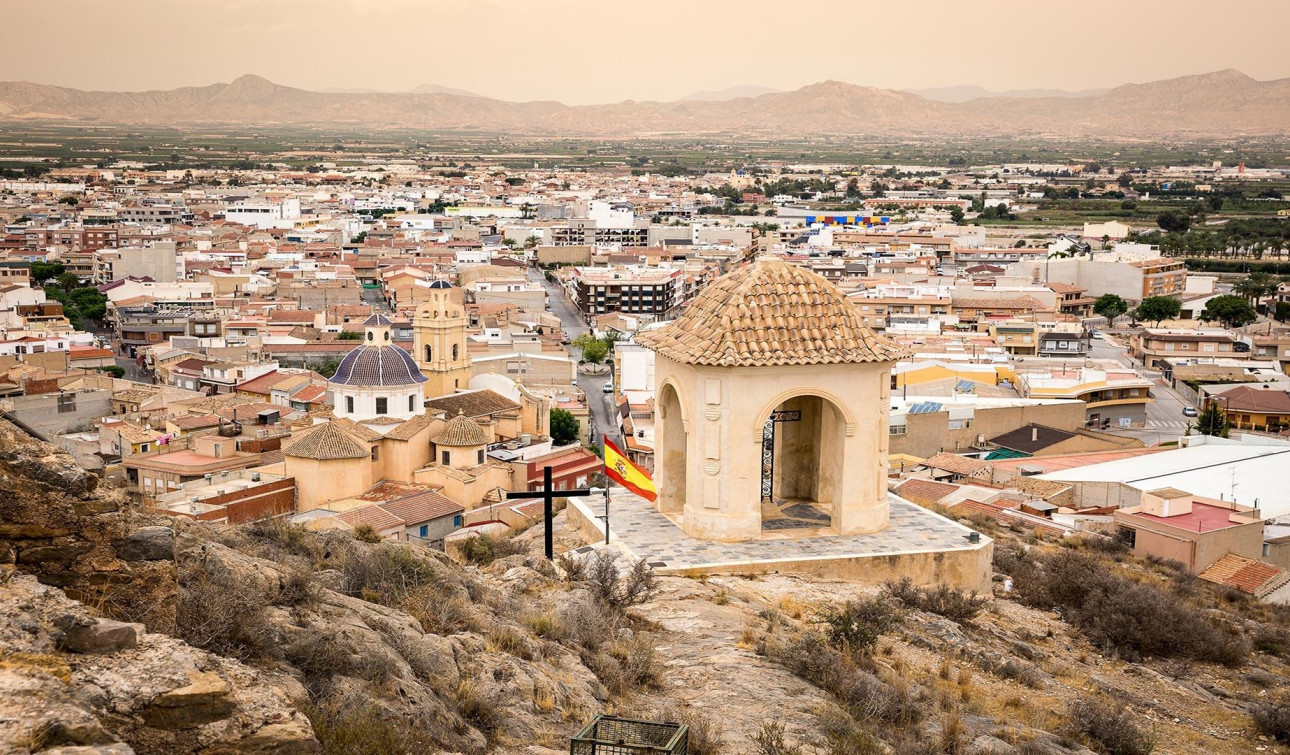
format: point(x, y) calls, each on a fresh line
point(327, 442)
point(766, 314)
point(462, 431)
point(377, 320)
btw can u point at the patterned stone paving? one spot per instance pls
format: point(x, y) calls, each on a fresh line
point(641, 531)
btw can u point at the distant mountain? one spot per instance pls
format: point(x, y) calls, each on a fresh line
point(729, 93)
point(1223, 103)
point(438, 89)
point(966, 92)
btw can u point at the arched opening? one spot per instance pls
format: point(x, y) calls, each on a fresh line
point(454, 352)
point(802, 463)
point(670, 452)
point(429, 353)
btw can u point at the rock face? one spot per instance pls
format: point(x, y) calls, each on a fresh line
point(58, 524)
point(125, 691)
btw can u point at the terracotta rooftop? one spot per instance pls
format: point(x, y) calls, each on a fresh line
point(473, 403)
point(325, 443)
point(1260, 400)
point(957, 464)
point(1245, 574)
point(770, 313)
point(462, 431)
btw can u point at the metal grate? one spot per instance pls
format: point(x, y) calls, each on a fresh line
point(611, 735)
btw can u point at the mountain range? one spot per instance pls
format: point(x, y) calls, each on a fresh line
point(965, 92)
point(1223, 103)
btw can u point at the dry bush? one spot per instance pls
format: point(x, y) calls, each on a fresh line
point(953, 603)
point(1273, 719)
point(855, 626)
point(1109, 728)
point(502, 638)
point(297, 587)
point(546, 626)
point(864, 696)
point(218, 614)
point(483, 550)
point(440, 611)
point(366, 533)
point(1122, 616)
point(386, 573)
point(364, 731)
point(281, 534)
point(707, 735)
point(1018, 671)
point(574, 568)
point(616, 590)
point(320, 655)
point(477, 709)
point(769, 739)
point(843, 736)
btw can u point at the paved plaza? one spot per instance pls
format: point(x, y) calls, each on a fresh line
point(640, 531)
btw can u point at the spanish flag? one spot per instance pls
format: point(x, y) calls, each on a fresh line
point(627, 474)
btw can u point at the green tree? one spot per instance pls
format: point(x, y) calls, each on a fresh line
point(68, 281)
point(564, 427)
point(43, 271)
point(1282, 311)
point(1158, 308)
point(1110, 306)
point(1231, 310)
point(1256, 286)
point(956, 215)
point(1174, 222)
point(594, 350)
point(1212, 420)
point(349, 335)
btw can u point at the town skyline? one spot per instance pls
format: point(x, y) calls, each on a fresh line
point(523, 53)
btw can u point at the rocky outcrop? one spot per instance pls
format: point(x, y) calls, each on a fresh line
point(73, 683)
point(58, 524)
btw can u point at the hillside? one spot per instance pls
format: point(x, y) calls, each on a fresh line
point(288, 641)
point(1224, 103)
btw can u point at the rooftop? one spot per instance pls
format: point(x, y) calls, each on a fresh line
point(770, 313)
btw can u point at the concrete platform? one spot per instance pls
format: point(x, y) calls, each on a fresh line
point(919, 544)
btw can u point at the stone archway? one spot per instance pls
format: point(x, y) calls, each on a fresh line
point(803, 456)
point(671, 451)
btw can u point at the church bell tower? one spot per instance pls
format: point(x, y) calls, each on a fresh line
point(439, 340)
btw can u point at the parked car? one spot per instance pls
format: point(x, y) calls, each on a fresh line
point(1190, 411)
point(608, 388)
point(1096, 334)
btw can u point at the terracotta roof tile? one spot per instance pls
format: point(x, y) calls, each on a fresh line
point(770, 313)
point(473, 403)
point(462, 431)
point(1245, 574)
point(325, 443)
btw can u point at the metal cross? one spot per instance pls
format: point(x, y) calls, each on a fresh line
point(548, 496)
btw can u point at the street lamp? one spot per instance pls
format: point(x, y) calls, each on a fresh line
point(605, 516)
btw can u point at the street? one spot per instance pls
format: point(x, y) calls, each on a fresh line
point(599, 404)
point(1165, 419)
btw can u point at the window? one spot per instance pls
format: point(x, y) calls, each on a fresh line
point(444, 458)
point(480, 459)
point(382, 405)
point(897, 429)
point(429, 353)
point(454, 352)
point(456, 520)
point(376, 453)
point(424, 531)
point(412, 403)
point(960, 424)
point(145, 448)
point(349, 404)
point(66, 403)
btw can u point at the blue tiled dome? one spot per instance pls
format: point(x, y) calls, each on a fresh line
point(375, 365)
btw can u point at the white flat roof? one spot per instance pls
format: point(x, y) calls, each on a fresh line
point(1244, 473)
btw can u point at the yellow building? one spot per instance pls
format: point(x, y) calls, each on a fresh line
point(439, 340)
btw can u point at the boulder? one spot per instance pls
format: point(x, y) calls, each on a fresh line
point(147, 544)
point(86, 635)
point(205, 699)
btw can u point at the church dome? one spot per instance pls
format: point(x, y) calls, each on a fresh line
point(378, 365)
point(439, 283)
point(770, 313)
point(461, 431)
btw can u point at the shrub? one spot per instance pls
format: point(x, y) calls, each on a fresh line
point(296, 588)
point(1133, 620)
point(364, 731)
point(1109, 728)
point(477, 708)
point(707, 735)
point(864, 696)
point(953, 603)
point(502, 638)
point(280, 533)
point(616, 590)
point(769, 740)
point(366, 533)
point(854, 626)
point(1273, 719)
point(218, 614)
point(439, 611)
point(386, 573)
point(319, 654)
point(843, 736)
point(483, 550)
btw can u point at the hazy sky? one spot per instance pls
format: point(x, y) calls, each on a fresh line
point(580, 51)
